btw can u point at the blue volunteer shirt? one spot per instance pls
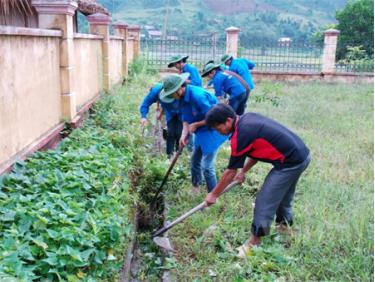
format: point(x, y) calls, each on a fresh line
point(170, 109)
point(195, 77)
point(242, 66)
point(195, 104)
point(228, 84)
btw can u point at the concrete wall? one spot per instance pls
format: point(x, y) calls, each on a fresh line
point(30, 102)
point(32, 67)
point(88, 71)
point(115, 60)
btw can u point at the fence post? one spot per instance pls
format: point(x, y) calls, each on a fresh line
point(329, 51)
point(59, 15)
point(99, 24)
point(121, 29)
point(232, 40)
point(134, 32)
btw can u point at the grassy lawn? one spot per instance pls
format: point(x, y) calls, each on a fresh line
point(333, 233)
point(66, 213)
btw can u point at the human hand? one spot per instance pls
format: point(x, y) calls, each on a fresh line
point(144, 122)
point(184, 140)
point(210, 199)
point(240, 177)
point(192, 128)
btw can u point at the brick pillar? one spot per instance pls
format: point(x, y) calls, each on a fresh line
point(329, 50)
point(121, 29)
point(232, 40)
point(134, 32)
point(59, 14)
point(99, 24)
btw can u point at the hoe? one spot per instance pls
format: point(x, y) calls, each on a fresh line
point(163, 242)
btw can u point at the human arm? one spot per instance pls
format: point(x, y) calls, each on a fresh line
point(240, 177)
point(224, 181)
point(151, 98)
point(218, 87)
point(184, 140)
point(250, 64)
point(194, 126)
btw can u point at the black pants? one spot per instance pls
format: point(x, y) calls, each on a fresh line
point(174, 133)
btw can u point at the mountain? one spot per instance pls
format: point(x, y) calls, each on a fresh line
point(258, 19)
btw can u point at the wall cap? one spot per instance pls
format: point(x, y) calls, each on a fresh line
point(55, 7)
point(332, 31)
point(99, 19)
point(120, 25)
point(232, 29)
point(24, 31)
point(88, 36)
point(134, 28)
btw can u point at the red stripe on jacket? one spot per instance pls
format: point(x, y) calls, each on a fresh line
point(259, 149)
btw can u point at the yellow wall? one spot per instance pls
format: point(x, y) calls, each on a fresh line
point(88, 71)
point(29, 91)
point(115, 61)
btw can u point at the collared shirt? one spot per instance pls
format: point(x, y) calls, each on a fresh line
point(241, 66)
point(195, 104)
point(266, 140)
point(195, 77)
point(170, 109)
point(227, 83)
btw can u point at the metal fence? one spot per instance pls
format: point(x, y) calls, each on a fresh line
point(268, 56)
point(284, 57)
point(158, 52)
point(359, 66)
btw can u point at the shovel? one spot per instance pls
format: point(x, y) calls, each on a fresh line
point(175, 158)
point(164, 241)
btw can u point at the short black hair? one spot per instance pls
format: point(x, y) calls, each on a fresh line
point(219, 114)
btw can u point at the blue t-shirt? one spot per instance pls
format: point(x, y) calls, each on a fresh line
point(242, 66)
point(195, 77)
point(228, 84)
point(194, 106)
point(170, 109)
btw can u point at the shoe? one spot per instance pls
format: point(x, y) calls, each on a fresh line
point(244, 251)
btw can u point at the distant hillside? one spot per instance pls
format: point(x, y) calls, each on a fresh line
point(258, 19)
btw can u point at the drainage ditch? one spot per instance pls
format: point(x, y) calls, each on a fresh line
point(144, 260)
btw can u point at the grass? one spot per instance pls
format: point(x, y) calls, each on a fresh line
point(333, 234)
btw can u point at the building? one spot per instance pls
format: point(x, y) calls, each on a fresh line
point(155, 34)
point(21, 13)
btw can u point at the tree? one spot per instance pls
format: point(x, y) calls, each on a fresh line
point(356, 25)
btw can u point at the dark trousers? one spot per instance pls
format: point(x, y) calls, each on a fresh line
point(239, 103)
point(174, 133)
point(275, 198)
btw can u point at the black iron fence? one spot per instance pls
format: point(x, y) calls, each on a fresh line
point(284, 56)
point(357, 66)
point(268, 56)
point(158, 52)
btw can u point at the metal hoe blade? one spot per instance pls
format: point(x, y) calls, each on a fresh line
point(164, 243)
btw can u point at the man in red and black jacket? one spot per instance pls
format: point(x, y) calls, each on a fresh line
point(260, 138)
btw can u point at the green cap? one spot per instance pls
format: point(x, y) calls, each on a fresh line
point(176, 59)
point(170, 85)
point(225, 58)
point(209, 67)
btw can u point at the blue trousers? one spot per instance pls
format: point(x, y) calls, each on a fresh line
point(203, 165)
point(275, 198)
